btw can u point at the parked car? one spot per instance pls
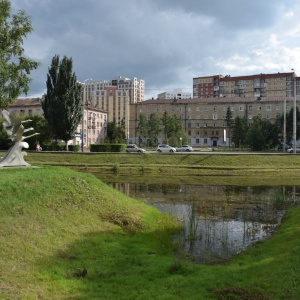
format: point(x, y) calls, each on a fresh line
point(184, 148)
point(291, 150)
point(134, 148)
point(165, 148)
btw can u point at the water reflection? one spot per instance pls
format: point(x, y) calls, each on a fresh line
point(219, 221)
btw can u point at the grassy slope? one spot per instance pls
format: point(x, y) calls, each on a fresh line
point(227, 161)
point(56, 222)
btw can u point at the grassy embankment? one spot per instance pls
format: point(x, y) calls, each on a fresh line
point(258, 169)
point(66, 235)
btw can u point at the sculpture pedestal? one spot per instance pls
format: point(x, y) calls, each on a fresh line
point(15, 156)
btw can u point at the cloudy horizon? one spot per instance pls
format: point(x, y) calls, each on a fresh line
point(166, 43)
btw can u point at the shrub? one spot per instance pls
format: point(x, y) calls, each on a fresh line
point(108, 147)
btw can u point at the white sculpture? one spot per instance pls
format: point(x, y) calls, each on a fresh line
point(15, 130)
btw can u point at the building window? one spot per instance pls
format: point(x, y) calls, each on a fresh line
point(250, 107)
point(277, 107)
point(205, 141)
point(189, 132)
point(205, 108)
point(215, 108)
point(198, 125)
point(215, 116)
point(241, 108)
point(205, 132)
point(197, 108)
point(189, 125)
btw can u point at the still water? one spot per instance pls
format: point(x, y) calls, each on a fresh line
point(218, 221)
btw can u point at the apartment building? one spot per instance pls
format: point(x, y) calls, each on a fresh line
point(203, 120)
point(259, 85)
point(28, 106)
point(115, 97)
point(93, 125)
point(175, 94)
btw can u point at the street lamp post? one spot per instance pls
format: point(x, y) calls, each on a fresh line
point(83, 106)
point(284, 125)
point(294, 116)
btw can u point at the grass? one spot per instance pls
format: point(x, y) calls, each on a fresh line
point(200, 168)
point(66, 235)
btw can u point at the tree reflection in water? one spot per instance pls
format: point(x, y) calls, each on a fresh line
point(219, 221)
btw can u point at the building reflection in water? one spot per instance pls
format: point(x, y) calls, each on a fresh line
point(219, 221)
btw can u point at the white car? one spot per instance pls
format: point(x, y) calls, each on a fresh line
point(184, 148)
point(291, 150)
point(134, 148)
point(165, 148)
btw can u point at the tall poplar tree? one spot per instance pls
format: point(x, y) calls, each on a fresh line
point(14, 66)
point(142, 127)
point(154, 129)
point(62, 103)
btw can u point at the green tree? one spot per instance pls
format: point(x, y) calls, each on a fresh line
point(14, 66)
point(289, 125)
point(142, 127)
point(41, 126)
point(62, 102)
point(229, 122)
point(115, 134)
point(239, 131)
point(271, 134)
point(5, 142)
point(255, 138)
point(154, 128)
point(171, 127)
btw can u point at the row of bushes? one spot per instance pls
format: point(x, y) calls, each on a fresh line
point(108, 148)
point(55, 147)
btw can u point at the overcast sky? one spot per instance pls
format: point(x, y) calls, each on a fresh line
point(164, 42)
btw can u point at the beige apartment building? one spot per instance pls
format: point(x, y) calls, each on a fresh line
point(259, 85)
point(28, 106)
point(203, 120)
point(115, 97)
point(94, 123)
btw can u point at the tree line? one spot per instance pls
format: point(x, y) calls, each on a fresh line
point(260, 134)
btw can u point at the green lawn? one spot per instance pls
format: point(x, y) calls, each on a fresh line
point(66, 235)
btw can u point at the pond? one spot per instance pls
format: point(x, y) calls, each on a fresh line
point(219, 221)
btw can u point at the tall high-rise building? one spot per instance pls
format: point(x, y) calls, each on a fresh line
point(115, 97)
point(259, 85)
